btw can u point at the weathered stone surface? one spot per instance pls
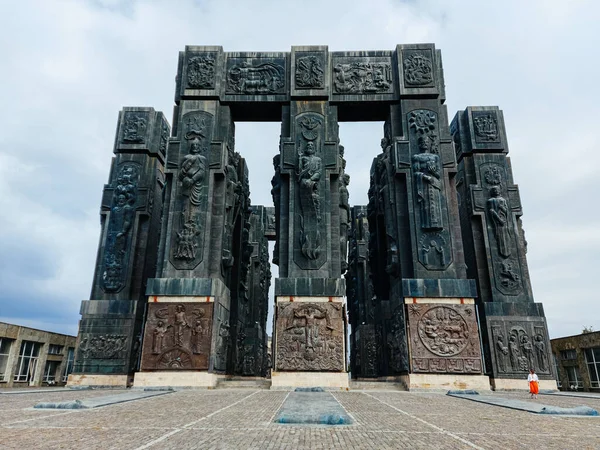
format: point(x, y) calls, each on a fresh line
point(177, 336)
point(444, 338)
point(309, 337)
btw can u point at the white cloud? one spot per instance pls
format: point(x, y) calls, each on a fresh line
point(69, 66)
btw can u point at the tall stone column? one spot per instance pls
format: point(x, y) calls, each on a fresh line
point(514, 327)
point(417, 255)
point(364, 347)
point(192, 331)
point(110, 331)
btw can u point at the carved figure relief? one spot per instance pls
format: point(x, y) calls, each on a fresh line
point(344, 219)
point(418, 68)
point(262, 78)
point(310, 336)
point(201, 72)
point(427, 170)
point(134, 128)
point(164, 137)
point(177, 336)
point(276, 194)
point(310, 72)
point(486, 126)
point(527, 347)
point(310, 171)
point(120, 224)
point(444, 338)
point(362, 77)
point(192, 190)
point(103, 346)
point(396, 342)
point(499, 217)
point(510, 280)
point(433, 251)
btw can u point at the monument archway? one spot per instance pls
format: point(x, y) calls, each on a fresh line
point(436, 277)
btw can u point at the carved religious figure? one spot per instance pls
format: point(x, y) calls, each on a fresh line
point(344, 219)
point(428, 180)
point(501, 353)
point(276, 194)
point(198, 331)
point(498, 211)
point(158, 336)
point(513, 348)
point(309, 175)
point(540, 350)
point(180, 324)
point(192, 172)
point(527, 349)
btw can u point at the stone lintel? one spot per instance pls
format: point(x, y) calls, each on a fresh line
point(520, 309)
point(118, 307)
point(291, 298)
point(443, 301)
point(289, 380)
point(439, 288)
point(99, 380)
point(180, 299)
point(193, 287)
point(310, 287)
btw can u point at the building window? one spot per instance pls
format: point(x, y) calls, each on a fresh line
point(28, 357)
point(592, 357)
point(50, 372)
point(558, 383)
point(55, 349)
point(69, 364)
point(574, 378)
point(568, 354)
point(4, 351)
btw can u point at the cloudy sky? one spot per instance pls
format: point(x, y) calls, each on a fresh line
point(67, 68)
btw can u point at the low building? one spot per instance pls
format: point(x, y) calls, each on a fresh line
point(577, 360)
point(30, 357)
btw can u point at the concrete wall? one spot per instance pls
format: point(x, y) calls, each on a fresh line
point(17, 334)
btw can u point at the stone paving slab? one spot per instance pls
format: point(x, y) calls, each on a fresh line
point(244, 419)
point(97, 402)
point(312, 408)
point(528, 406)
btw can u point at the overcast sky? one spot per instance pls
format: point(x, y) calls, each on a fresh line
point(68, 67)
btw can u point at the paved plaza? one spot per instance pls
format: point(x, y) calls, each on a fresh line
point(243, 419)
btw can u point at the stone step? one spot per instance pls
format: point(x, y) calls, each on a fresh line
point(377, 385)
point(241, 383)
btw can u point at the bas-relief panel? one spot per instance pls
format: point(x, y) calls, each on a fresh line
point(518, 346)
point(359, 75)
point(444, 339)
point(310, 337)
point(177, 336)
point(256, 76)
point(191, 201)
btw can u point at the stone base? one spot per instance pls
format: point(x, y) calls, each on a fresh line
point(116, 381)
point(511, 384)
point(287, 380)
point(176, 379)
point(418, 381)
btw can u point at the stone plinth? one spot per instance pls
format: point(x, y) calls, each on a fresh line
point(443, 336)
point(508, 384)
point(310, 334)
point(285, 380)
point(121, 381)
point(177, 336)
point(417, 381)
point(175, 379)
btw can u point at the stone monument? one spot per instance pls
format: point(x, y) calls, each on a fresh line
point(433, 268)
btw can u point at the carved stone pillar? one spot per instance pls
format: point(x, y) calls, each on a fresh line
point(310, 318)
point(364, 347)
point(514, 327)
point(111, 326)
